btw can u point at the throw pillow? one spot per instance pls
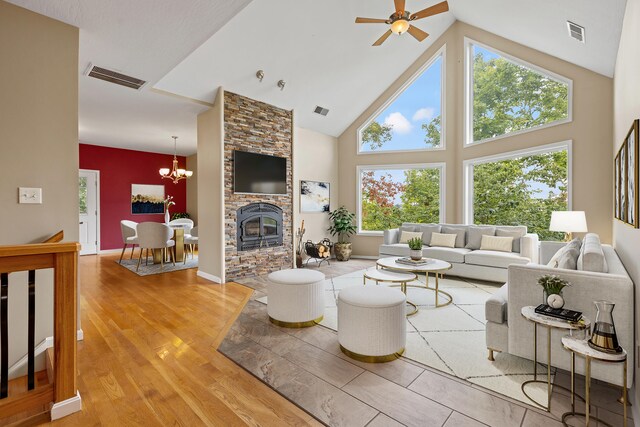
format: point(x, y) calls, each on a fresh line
point(516, 233)
point(475, 233)
point(443, 240)
point(495, 243)
point(461, 235)
point(405, 236)
point(562, 260)
point(427, 229)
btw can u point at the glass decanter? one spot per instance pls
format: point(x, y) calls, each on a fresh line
point(604, 336)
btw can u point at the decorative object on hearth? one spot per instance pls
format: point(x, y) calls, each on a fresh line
point(175, 174)
point(314, 196)
point(300, 247)
point(399, 21)
point(342, 226)
point(415, 248)
point(568, 222)
point(604, 336)
point(626, 175)
point(552, 290)
point(318, 251)
point(168, 202)
point(147, 199)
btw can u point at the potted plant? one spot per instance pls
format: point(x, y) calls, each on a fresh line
point(180, 215)
point(342, 226)
point(415, 246)
point(552, 290)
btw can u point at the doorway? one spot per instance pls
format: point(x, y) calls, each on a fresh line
point(89, 197)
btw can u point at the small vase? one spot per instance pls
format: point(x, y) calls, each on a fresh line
point(415, 254)
point(167, 218)
point(558, 302)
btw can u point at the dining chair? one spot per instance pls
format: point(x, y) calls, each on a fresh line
point(129, 236)
point(191, 240)
point(185, 223)
point(155, 236)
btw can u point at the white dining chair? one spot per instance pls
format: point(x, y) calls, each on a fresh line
point(191, 240)
point(155, 236)
point(185, 223)
point(129, 236)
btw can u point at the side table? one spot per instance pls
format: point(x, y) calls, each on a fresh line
point(581, 347)
point(529, 313)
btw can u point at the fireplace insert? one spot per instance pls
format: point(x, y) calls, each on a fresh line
point(259, 225)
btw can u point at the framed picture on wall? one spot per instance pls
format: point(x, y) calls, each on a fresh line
point(616, 190)
point(626, 171)
point(314, 196)
point(147, 199)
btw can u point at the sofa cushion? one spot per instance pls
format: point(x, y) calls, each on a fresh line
point(396, 249)
point(427, 229)
point(443, 240)
point(475, 233)
point(408, 227)
point(446, 254)
point(496, 243)
point(460, 232)
point(405, 236)
point(591, 255)
point(516, 232)
point(494, 258)
point(495, 309)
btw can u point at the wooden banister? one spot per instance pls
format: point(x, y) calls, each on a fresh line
point(63, 258)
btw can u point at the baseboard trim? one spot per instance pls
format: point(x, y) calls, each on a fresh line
point(209, 277)
point(66, 407)
point(365, 256)
point(111, 251)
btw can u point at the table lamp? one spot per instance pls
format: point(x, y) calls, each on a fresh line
point(568, 222)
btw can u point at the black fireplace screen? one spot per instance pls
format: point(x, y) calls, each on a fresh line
point(259, 225)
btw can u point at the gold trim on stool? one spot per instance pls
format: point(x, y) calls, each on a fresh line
point(306, 324)
point(372, 359)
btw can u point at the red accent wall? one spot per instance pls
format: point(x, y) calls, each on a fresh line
point(118, 170)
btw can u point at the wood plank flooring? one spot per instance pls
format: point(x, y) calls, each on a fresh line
point(149, 353)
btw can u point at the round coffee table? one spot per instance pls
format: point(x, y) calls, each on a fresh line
point(391, 276)
point(435, 266)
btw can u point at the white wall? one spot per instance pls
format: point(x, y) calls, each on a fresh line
point(626, 109)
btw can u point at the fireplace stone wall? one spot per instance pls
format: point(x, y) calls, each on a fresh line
point(255, 126)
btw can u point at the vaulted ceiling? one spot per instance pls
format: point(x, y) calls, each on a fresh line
point(191, 47)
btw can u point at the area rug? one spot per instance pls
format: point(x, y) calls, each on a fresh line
point(451, 338)
point(147, 270)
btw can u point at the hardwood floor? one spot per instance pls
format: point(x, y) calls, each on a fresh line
point(149, 353)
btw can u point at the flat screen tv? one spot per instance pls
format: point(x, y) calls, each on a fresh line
point(259, 173)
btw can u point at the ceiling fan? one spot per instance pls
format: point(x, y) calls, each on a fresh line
point(401, 18)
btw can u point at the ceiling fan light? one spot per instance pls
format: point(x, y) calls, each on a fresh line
point(400, 26)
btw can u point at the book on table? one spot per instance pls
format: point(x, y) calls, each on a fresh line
point(409, 261)
point(560, 313)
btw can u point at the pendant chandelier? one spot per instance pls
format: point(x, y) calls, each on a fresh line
point(175, 173)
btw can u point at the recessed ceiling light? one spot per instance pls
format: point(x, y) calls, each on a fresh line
point(321, 110)
point(576, 31)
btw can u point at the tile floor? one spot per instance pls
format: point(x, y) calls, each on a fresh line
point(307, 367)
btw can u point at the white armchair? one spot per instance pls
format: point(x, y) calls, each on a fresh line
point(190, 241)
point(155, 236)
point(129, 236)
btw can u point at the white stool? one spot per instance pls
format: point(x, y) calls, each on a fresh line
point(371, 323)
point(295, 297)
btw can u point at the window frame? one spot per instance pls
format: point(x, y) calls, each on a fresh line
point(467, 171)
point(442, 166)
point(467, 140)
point(440, 53)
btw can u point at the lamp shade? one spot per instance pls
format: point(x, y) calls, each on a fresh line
point(568, 221)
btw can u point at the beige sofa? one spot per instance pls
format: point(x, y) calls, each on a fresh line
point(507, 331)
point(465, 261)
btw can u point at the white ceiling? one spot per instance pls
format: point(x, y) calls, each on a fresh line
point(191, 47)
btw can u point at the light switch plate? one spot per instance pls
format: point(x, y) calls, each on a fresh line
point(30, 195)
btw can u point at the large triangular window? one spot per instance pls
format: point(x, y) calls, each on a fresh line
point(412, 120)
point(506, 95)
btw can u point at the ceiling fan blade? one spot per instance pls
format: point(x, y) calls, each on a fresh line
point(430, 11)
point(383, 38)
point(370, 21)
point(417, 33)
point(399, 6)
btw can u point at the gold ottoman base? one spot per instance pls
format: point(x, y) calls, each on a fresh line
point(372, 359)
point(306, 324)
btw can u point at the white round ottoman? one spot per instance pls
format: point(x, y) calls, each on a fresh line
point(295, 297)
point(372, 326)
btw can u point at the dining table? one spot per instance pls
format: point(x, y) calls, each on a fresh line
point(178, 237)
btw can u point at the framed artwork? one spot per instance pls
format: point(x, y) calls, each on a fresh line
point(314, 196)
point(147, 199)
point(626, 178)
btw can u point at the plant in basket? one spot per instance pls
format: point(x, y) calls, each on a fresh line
point(342, 226)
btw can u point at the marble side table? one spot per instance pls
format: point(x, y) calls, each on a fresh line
point(581, 347)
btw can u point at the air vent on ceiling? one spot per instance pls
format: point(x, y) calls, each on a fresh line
point(575, 31)
point(320, 110)
point(115, 77)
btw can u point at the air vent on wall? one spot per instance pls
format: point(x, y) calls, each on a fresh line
point(115, 77)
point(575, 31)
point(320, 110)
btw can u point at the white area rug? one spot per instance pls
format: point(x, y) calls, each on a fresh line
point(451, 338)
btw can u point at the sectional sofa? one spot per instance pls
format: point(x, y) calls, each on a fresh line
point(466, 258)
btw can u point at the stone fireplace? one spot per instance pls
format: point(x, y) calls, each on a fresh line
point(259, 225)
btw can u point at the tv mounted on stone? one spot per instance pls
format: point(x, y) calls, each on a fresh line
point(255, 173)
